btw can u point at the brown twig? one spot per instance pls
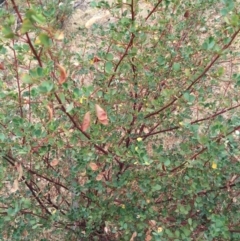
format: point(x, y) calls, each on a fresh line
point(121, 58)
point(153, 10)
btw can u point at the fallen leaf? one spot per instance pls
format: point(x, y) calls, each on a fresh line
point(106, 229)
point(95, 19)
point(25, 233)
point(148, 237)
point(83, 173)
point(14, 187)
point(152, 223)
point(19, 170)
point(82, 180)
point(134, 235)
point(59, 35)
point(54, 162)
point(101, 115)
point(63, 74)
point(93, 166)
point(86, 121)
point(234, 177)
point(99, 177)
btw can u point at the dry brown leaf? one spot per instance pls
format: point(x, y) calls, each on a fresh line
point(234, 177)
point(82, 180)
point(83, 173)
point(145, 130)
point(106, 146)
point(93, 166)
point(106, 229)
point(25, 233)
point(15, 186)
point(148, 236)
point(54, 162)
point(152, 223)
point(99, 177)
point(50, 112)
point(86, 121)
point(63, 74)
point(19, 170)
point(134, 235)
point(101, 115)
point(96, 19)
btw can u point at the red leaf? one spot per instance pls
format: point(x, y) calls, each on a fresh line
point(2, 66)
point(96, 59)
point(101, 115)
point(86, 121)
point(93, 166)
point(63, 74)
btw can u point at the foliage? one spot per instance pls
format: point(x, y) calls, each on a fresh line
point(131, 135)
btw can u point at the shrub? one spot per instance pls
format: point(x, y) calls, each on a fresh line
point(130, 134)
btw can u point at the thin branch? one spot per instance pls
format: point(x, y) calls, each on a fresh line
point(153, 10)
point(213, 61)
point(15, 7)
point(37, 198)
point(193, 157)
point(77, 125)
point(34, 172)
point(121, 58)
point(192, 122)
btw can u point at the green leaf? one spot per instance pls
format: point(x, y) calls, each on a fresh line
point(188, 97)
point(30, 13)
point(156, 187)
point(235, 20)
point(39, 18)
point(26, 26)
point(109, 67)
point(46, 86)
point(190, 221)
point(161, 60)
point(27, 79)
point(69, 107)
point(109, 56)
point(211, 42)
point(167, 162)
point(176, 66)
point(2, 137)
point(40, 71)
point(7, 32)
point(45, 40)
